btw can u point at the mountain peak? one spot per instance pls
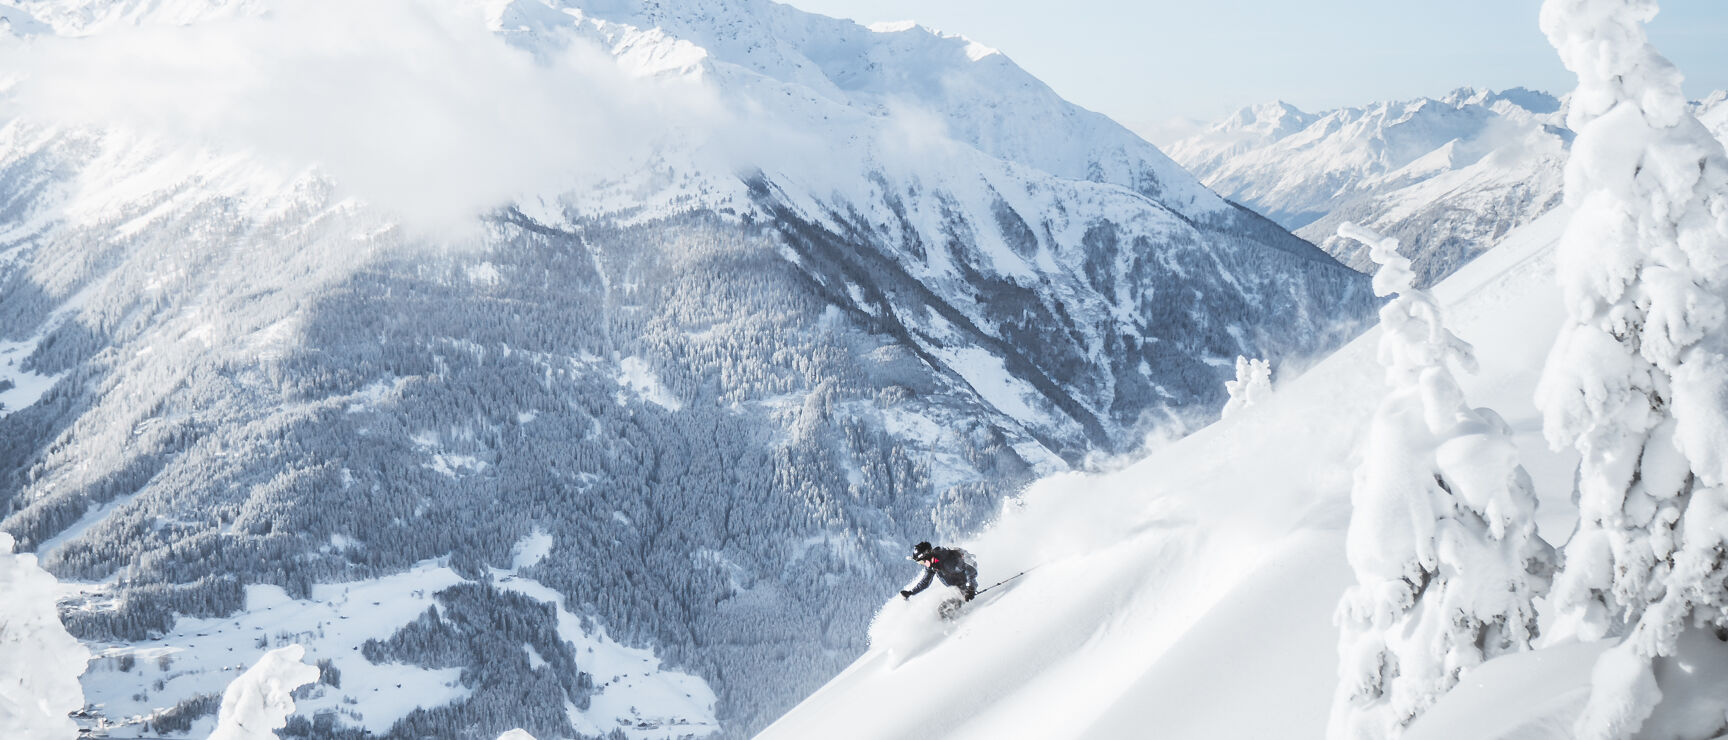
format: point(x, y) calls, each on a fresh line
point(974, 50)
point(1467, 95)
point(1532, 101)
point(1275, 119)
point(893, 26)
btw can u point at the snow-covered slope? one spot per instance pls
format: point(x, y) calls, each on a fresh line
point(803, 291)
point(1448, 177)
point(1191, 595)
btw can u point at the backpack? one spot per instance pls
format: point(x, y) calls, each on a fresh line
point(954, 555)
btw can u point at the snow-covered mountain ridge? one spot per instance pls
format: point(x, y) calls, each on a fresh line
point(1449, 176)
point(817, 311)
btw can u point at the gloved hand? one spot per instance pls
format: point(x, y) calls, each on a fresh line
point(905, 594)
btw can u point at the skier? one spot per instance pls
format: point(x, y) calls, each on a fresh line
point(949, 563)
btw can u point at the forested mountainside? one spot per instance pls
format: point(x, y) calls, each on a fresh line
point(697, 407)
point(1449, 177)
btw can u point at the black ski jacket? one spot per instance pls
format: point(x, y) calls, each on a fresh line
point(951, 566)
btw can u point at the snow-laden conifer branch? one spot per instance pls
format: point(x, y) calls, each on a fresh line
point(258, 702)
point(1442, 534)
point(1637, 381)
point(1252, 385)
point(39, 661)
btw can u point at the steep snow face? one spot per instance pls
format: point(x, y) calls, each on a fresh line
point(1447, 177)
point(710, 394)
point(1192, 594)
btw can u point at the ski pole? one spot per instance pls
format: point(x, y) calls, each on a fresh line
point(1005, 580)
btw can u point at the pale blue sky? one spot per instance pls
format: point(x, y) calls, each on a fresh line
point(1146, 61)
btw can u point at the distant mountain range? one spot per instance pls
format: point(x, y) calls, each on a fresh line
point(1449, 177)
point(696, 409)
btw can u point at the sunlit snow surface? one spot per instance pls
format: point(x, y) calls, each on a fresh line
point(19, 387)
point(636, 376)
point(1191, 595)
point(634, 692)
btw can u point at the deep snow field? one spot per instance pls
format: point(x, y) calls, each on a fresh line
point(1191, 594)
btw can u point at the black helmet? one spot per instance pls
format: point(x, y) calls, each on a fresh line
point(921, 551)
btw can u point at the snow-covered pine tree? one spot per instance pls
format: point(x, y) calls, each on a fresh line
point(258, 703)
point(1252, 385)
point(1638, 378)
point(1442, 533)
point(39, 661)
